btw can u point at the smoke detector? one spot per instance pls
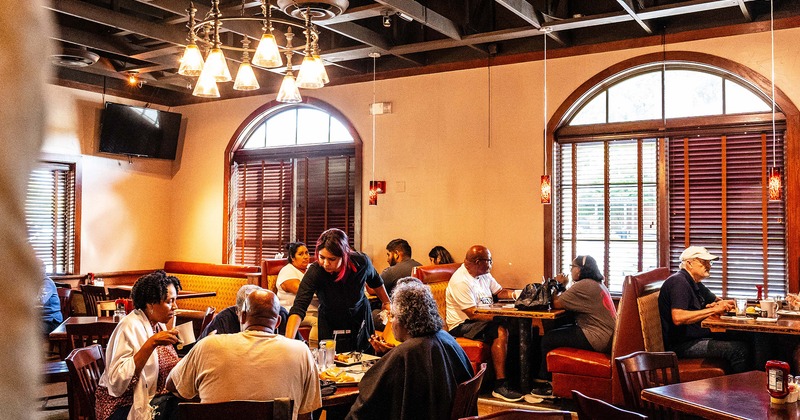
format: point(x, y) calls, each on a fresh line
point(317, 9)
point(74, 57)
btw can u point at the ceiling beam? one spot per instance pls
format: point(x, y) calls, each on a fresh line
point(117, 20)
point(627, 5)
point(524, 10)
point(365, 36)
point(357, 13)
point(675, 9)
point(425, 16)
point(89, 40)
point(745, 8)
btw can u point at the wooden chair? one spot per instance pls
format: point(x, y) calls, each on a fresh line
point(85, 367)
point(85, 335)
point(64, 285)
point(65, 299)
point(518, 414)
point(589, 408)
point(116, 293)
point(465, 401)
point(277, 409)
point(92, 295)
point(106, 308)
point(641, 370)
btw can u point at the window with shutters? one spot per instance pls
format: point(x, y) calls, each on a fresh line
point(52, 213)
point(690, 169)
point(293, 175)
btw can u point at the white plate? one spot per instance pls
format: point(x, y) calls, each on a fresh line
point(354, 361)
point(735, 318)
point(786, 312)
point(342, 374)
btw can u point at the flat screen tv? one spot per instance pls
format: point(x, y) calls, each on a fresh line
point(135, 131)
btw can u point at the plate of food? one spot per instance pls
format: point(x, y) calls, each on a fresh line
point(341, 377)
point(786, 312)
point(353, 358)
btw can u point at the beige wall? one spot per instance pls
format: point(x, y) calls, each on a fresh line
point(450, 180)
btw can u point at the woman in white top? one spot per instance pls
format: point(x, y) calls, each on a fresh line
point(289, 280)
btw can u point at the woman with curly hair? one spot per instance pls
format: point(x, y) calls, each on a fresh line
point(140, 355)
point(396, 387)
point(338, 278)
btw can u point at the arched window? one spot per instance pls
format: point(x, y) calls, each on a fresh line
point(660, 155)
point(294, 171)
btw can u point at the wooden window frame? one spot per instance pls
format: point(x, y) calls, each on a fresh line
point(790, 114)
point(299, 151)
point(75, 165)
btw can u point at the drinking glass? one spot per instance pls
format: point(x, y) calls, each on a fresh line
point(329, 348)
point(741, 307)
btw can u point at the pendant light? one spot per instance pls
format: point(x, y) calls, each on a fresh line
point(245, 77)
point(774, 174)
point(373, 185)
point(546, 189)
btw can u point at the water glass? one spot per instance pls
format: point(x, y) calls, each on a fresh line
point(329, 348)
point(319, 359)
point(741, 306)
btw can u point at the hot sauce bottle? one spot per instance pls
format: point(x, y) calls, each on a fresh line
point(777, 380)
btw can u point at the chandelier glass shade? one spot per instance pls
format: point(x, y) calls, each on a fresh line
point(204, 36)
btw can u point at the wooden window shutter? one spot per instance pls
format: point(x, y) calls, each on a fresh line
point(718, 200)
point(50, 212)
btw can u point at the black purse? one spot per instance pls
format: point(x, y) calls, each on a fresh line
point(538, 296)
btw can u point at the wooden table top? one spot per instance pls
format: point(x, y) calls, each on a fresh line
point(784, 325)
point(60, 333)
point(508, 310)
point(345, 395)
point(738, 396)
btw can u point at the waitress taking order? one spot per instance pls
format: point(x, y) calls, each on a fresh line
point(338, 277)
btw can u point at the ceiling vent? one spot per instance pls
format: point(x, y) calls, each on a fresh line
point(318, 9)
point(74, 57)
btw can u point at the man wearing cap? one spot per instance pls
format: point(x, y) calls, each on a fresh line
point(685, 302)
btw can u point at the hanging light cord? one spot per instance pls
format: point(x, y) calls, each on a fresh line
point(372, 110)
point(772, 76)
point(544, 119)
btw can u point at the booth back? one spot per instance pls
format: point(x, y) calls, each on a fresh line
point(224, 279)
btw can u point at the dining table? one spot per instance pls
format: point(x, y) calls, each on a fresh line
point(544, 320)
point(737, 396)
point(787, 322)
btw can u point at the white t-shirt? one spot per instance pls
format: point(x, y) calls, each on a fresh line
point(464, 291)
point(290, 272)
point(250, 365)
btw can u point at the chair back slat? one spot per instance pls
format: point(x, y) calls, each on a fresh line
point(115, 293)
point(641, 370)
point(92, 295)
point(86, 365)
point(84, 335)
point(465, 400)
point(277, 409)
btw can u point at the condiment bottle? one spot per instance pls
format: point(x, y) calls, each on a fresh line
point(777, 381)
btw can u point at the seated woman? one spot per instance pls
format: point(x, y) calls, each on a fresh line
point(440, 255)
point(397, 387)
point(595, 318)
point(289, 281)
point(140, 354)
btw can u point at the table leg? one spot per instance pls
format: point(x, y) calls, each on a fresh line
point(524, 359)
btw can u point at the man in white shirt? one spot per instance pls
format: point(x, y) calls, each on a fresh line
point(470, 286)
point(255, 364)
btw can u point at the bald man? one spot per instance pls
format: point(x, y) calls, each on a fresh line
point(255, 364)
point(472, 285)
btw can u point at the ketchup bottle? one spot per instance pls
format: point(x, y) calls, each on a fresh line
point(777, 381)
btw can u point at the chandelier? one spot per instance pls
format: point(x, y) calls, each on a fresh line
point(267, 54)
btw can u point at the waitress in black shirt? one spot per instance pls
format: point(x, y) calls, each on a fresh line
point(338, 277)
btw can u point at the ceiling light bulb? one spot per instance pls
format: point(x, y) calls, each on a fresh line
point(387, 21)
point(191, 62)
point(217, 65)
point(245, 78)
point(267, 54)
point(132, 79)
point(288, 92)
point(206, 86)
point(310, 74)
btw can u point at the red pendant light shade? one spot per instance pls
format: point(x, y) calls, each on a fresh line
point(373, 193)
point(546, 189)
point(775, 184)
